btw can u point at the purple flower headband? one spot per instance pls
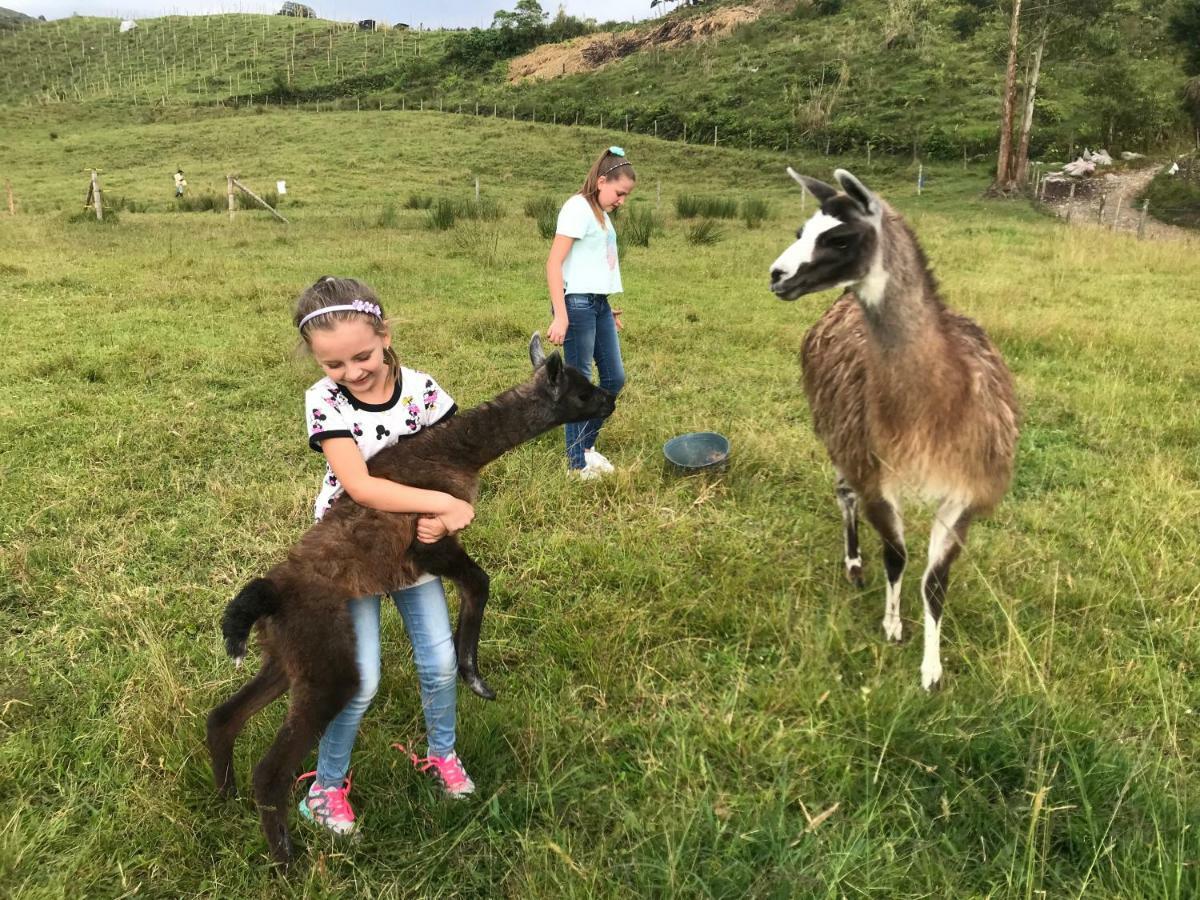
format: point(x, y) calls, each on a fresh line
point(362, 306)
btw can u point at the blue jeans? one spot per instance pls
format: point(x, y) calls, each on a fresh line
point(591, 334)
point(427, 621)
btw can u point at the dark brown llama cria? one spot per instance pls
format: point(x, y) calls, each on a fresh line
point(304, 629)
point(908, 397)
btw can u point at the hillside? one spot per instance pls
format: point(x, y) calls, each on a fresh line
point(904, 76)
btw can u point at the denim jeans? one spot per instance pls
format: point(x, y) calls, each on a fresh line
point(427, 621)
point(591, 334)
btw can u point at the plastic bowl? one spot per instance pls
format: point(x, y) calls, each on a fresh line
point(697, 450)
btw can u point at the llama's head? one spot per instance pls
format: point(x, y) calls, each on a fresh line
point(838, 246)
point(568, 393)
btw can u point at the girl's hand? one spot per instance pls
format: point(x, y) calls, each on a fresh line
point(459, 515)
point(557, 332)
point(430, 529)
point(617, 319)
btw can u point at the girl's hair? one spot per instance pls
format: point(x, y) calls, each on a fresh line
point(609, 165)
point(329, 290)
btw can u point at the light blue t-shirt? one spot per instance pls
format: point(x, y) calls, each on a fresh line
point(591, 266)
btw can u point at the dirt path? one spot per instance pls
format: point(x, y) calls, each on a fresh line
point(1114, 195)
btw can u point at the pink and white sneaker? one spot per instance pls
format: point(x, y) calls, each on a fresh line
point(447, 770)
point(328, 807)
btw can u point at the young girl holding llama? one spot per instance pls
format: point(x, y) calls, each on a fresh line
point(582, 272)
point(365, 402)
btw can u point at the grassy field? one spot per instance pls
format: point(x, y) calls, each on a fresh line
point(693, 702)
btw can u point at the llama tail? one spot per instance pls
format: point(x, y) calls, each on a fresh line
point(257, 599)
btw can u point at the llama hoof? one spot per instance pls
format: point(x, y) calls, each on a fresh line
point(893, 628)
point(476, 683)
point(854, 572)
point(931, 679)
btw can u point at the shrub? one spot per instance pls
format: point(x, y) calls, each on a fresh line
point(200, 203)
point(705, 232)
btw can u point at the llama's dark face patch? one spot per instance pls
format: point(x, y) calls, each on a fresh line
point(834, 248)
point(572, 395)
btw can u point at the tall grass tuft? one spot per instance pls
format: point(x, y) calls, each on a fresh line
point(543, 211)
point(200, 203)
point(689, 206)
point(484, 209)
point(705, 232)
point(638, 226)
point(418, 201)
point(442, 214)
point(388, 217)
point(754, 211)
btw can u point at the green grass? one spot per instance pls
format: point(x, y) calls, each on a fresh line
point(687, 684)
point(892, 75)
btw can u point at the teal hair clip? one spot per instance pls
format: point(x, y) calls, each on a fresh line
point(616, 151)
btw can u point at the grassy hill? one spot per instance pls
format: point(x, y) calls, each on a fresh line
point(905, 76)
point(693, 702)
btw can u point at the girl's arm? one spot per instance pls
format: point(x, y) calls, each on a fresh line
point(554, 279)
point(350, 468)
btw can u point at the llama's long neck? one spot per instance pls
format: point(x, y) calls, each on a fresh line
point(898, 294)
point(913, 365)
point(480, 435)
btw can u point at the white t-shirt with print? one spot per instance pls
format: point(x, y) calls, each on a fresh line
point(332, 411)
point(591, 266)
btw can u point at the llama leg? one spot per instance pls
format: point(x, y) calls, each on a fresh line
point(226, 721)
point(848, 501)
point(885, 517)
point(448, 559)
point(312, 708)
point(946, 541)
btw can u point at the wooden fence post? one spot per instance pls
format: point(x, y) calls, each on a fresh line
point(1100, 212)
point(714, 135)
point(12, 206)
point(95, 195)
point(1142, 218)
point(1117, 212)
point(1071, 203)
point(229, 195)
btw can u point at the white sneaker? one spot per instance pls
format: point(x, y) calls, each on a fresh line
point(587, 473)
point(596, 460)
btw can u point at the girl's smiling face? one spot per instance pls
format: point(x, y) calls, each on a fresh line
point(612, 192)
point(351, 353)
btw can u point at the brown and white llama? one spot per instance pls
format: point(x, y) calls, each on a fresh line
point(909, 398)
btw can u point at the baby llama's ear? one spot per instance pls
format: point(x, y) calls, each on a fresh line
point(537, 355)
point(555, 372)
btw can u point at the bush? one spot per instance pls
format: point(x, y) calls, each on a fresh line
point(705, 232)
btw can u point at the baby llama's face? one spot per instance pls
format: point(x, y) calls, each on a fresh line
point(351, 353)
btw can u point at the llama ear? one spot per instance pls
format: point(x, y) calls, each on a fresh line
point(857, 191)
point(819, 189)
point(554, 372)
point(537, 355)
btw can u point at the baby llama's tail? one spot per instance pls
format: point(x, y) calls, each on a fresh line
point(257, 599)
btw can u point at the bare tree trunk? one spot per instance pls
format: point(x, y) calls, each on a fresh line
point(1022, 163)
point(1004, 178)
